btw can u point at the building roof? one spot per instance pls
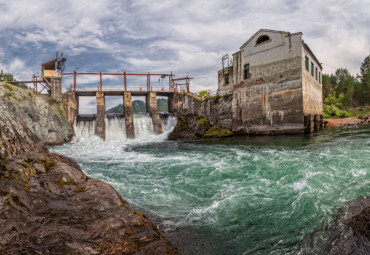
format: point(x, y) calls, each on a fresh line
point(262, 30)
point(49, 65)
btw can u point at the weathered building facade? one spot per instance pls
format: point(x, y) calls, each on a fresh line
point(275, 83)
point(273, 86)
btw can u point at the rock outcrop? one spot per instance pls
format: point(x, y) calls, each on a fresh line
point(348, 234)
point(49, 206)
point(45, 117)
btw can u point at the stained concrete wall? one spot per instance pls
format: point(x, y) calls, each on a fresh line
point(274, 107)
point(129, 119)
point(70, 103)
point(56, 89)
point(272, 59)
point(100, 114)
point(311, 86)
point(267, 108)
point(152, 109)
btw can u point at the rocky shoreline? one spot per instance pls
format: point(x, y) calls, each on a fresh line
point(351, 121)
point(48, 205)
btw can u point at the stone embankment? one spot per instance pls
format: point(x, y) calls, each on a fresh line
point(45, 117)
point(49, 206)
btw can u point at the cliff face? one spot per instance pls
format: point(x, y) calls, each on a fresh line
point(45, 117)
point(47, 204)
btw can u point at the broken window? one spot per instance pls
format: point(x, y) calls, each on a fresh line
point(307, 64)
point(246, 71)
point(263, 38)
point(316, 74)
point(312, 69)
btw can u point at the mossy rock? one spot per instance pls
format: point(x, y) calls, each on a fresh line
point(203, 122)
point(216, 131)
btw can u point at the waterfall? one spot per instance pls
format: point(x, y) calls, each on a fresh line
point(84, 128)
point(143, 125)
point(115, 127)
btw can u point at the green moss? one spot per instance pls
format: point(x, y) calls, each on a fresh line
point(9, 95)
point(48, 164)
point(216, 131)
point(8, 86)
point(27, 187)
point(203, 122)
point(17, 98)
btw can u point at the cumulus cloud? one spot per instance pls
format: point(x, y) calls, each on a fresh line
point(185, 37)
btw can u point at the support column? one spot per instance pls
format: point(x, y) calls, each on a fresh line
point(70, 102)
point(151, 108)
point(100, 114)
point(316, 122)
point(129, 118)
point(56, 89)
point(170, 104)
point(308, 123)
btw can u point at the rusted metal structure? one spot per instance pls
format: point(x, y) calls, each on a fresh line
point(186, 83)
point(124, 75)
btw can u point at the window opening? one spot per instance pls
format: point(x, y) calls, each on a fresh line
point(246, 71)
point(263, 38)
point(307, 64)
point(312, 67)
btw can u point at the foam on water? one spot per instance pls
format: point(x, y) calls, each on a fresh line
point(252, 195)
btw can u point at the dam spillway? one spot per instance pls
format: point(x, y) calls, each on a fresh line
point(115, 127)
point(100, 120)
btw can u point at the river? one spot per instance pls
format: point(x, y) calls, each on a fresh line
point(243, 195)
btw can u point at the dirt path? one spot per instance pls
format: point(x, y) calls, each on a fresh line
point(346, 121)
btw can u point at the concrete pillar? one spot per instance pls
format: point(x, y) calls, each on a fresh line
point(129, 118)
point(170, 104)
point(100, 114)
point(70, 102)
point(151, 108)
point(56, 89)
point(316, 121)
point(308, 123)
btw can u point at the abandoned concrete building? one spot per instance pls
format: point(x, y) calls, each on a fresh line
point(276, 85)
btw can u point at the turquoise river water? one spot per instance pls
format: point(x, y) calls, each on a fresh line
point(243, 195)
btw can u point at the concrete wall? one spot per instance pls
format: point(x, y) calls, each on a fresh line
point(274, 107)
point(56, 89)
point(267, 108)
point(70, 103)
point(272, 59)
point(152, 109)
point(311, 86)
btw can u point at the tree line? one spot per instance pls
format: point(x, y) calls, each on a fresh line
point(346, 95)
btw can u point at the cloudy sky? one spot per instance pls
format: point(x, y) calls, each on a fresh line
point(183, 37)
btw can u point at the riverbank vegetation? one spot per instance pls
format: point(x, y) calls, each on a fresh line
point(346, 95)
